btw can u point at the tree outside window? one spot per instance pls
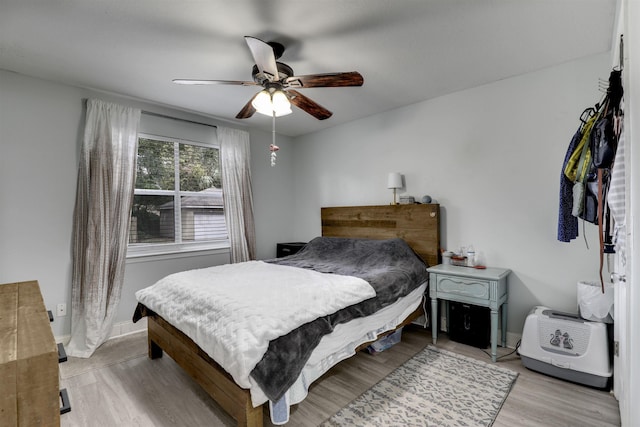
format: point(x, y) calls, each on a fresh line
point(178, 194)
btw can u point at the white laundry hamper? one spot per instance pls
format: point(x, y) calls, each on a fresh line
point(566, 346)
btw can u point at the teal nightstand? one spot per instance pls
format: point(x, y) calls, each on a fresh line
point(485, 288)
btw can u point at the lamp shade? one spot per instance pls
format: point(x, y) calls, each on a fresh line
point(269, 104)
point(281, 105)
point(394, 180)
point(262, 103)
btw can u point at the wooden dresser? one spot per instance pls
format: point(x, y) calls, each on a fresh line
point(29, 379)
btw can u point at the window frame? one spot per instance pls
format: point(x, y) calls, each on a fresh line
point(177, 248)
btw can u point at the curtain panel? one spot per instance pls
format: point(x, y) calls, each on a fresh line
point(102, 215)
point(235, 162)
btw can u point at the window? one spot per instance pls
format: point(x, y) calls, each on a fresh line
point(177, 202)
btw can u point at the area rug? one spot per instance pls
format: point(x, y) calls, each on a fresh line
point(434, 388)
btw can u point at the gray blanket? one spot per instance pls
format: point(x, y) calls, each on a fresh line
point(391, 268)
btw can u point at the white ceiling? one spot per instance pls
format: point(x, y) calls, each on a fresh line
point(407, 50)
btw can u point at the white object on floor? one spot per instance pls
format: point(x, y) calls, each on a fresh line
point(566, 346)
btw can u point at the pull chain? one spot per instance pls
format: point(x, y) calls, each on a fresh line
point(273, 148)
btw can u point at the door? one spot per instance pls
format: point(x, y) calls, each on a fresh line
point(627, 322)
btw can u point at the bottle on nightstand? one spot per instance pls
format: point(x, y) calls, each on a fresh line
point(471, 256)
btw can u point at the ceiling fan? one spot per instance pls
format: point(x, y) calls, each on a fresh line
point(280, 83)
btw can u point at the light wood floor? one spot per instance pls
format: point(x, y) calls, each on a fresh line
point(120, 386)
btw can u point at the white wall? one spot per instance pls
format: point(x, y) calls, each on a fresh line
point(39, 132)
point(491, 156)
point(41, 124)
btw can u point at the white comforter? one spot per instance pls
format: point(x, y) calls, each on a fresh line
point(233, 311)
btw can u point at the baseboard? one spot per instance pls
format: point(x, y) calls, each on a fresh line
point(119, 329)
point(64, 339)
point(126, 328)
point(513, 339)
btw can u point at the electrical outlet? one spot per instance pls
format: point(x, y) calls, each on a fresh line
point(61, 310)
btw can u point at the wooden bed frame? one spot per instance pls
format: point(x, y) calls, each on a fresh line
point(418, 225)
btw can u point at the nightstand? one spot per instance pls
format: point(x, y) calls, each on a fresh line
point(482, 287)
point(286, 249)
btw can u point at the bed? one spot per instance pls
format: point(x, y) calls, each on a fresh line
point(368, 302)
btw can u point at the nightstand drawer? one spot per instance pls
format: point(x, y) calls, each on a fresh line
point(463, 286)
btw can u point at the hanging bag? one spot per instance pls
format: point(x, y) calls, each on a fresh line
point(603, 141)
point(578, 185)
point(578, 170)
point(575, 169)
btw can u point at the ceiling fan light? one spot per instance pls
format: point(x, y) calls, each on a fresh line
point(262, 103)
point(281, 104)
point(280, 101)
point(283, 112)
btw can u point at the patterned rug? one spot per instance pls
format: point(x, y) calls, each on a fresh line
point(434, 388)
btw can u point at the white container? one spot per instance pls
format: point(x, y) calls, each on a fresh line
point(566, 346)
point(385, 342)
point(593, 304)
point(471, 256)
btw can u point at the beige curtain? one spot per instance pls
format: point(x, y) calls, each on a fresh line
point(106, 178)
point(235, 163)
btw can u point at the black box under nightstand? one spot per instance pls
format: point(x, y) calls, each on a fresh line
point(286, 249)
point(469, 324)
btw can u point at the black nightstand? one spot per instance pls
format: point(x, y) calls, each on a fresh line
point(286, 249)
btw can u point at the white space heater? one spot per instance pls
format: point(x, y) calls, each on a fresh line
point(566, 346)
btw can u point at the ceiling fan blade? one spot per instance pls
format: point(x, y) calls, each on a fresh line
point(265, 58)
point(248, 110)
point(213, 82)
point(351, 78)
point(306, 104)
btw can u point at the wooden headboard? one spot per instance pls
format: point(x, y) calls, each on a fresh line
point(417, 224)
